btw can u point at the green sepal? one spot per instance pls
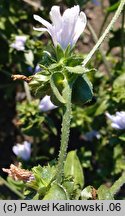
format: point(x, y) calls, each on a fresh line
point(73, 168)
point(77, 69)
point(61, 53)
point(40, 84)
point(57, 86)
point(82, 91)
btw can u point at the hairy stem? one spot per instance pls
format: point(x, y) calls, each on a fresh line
point(11, 188)
point(64, 134)
point(118, 12)
point(117, 185)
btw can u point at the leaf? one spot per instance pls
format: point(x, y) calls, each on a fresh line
point(86, 193)
point(122, 137)
point(40, 84)
point(59, 52)
point(104, 193)
point(102, 107)
point(113, 7)
point(19, 185)
point(29, 57)
point(56, 82)
point(56, 192)
point(118, 88)
point(82, 91)
point(43, 178)
point(77, 69)
point(73, 168)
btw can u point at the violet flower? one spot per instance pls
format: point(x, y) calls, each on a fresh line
point(19, 43)
point(34, 70)
point(96, 2)
point(46, 104)
point(37, 69)
point(65, 29)
point(117, 120)
point(22, 150)
point(89, 136)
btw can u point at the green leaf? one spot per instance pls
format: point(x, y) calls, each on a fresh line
point(69, 185)
point(73, 168)
point(122, 137)
point(86, 193)
point(78, 69)
point(82, 91)
point(40, 84)
point(119, 88)
point(104, 193)
point(59, 52)
point(102, 107)
point(56, 192)
point(56, 82)
point(19, 185)
point(29, 58)
point(43, 178)
point(113, 7)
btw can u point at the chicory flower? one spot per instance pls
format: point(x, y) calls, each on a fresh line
point(19, 43)
point(46, 104)
point(66, 29)
point(118, 120)
point(22, 150)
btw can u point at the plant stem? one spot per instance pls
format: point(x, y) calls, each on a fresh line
point(11, 188)
point(64, 133)
point(123, 37)
point(86, 60)
point(117, 185)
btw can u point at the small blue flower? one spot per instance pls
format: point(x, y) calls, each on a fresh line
point(46, 104)
point(34, 70)
point(118, 120)
point(22, 150)
point(96, 2)
point(89, 136)
point(37, 69)
point(19, 43)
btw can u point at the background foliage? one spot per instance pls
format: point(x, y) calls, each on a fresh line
point(99, 147)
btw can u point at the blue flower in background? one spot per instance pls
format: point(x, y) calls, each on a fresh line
point(19, 43)
point(37, 69)
point(34, 70)
point(91, 135)
point(118, 120)
point(22, 150)
point(96, 2)
point(46, 104)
